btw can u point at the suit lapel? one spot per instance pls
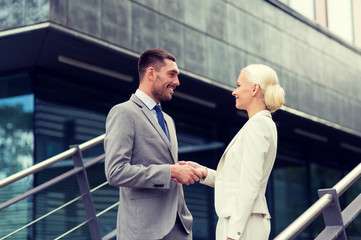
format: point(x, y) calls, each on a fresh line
point(231, 143)
point(259, 114)
point(221, 161)
point(155, 123)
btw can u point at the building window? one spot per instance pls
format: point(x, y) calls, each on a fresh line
point(16, 148)
point(290, 193)
point(339, 16)
point(338, 19)
point(304, 7)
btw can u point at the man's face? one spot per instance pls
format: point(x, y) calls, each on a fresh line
point(166, 80)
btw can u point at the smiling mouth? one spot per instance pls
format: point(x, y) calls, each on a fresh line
point(171, 88)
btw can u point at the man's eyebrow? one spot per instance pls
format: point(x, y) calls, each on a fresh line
point(174, 71)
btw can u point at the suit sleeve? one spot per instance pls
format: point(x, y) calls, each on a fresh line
point(118, 146)
point(210, 179)
point(253, 146)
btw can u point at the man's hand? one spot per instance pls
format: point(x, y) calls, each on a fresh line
point(184, 173)
point(203, 170)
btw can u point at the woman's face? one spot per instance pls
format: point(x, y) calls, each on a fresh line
point(243, 92)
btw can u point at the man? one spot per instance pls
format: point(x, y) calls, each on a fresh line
point(141, 157)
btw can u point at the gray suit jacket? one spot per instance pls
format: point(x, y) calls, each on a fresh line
point(137, 158)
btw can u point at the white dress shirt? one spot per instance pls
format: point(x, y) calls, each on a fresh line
point(150, 103)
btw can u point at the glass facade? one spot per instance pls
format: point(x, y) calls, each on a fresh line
point(339, 17)
point(16, 147)
point(353, 231)
point(59, 79)
point(304, 7)
point(67, 112)
point(42, 113)
point(290, 189)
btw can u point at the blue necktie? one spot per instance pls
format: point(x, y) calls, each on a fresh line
point(160, 118)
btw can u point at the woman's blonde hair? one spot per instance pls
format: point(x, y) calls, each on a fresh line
point(266, 77)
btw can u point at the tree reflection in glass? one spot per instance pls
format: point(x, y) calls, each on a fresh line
point(16, 154)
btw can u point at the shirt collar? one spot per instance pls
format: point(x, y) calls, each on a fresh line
point(146, 99)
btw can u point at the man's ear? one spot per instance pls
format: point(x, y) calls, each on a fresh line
point(150, 73)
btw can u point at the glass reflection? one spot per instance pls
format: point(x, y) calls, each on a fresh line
point(16, 154)
point(304, 7)
point(290, 194)
point(339, 18)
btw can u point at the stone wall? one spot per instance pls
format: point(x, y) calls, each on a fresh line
point(18, 13)
point(215, 39)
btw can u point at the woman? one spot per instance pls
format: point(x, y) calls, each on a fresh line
point(242, 173)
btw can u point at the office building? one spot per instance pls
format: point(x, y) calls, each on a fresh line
point(64, 64)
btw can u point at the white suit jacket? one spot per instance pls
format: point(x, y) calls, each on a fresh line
point(242, 173)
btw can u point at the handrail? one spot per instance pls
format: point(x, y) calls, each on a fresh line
point(305, 219)
point(61, 207)
point(50, 161)
point(348, 180)
point(317, 208)
point(75, 153)
point(289, 233)
point(86, 221)
point(49, 183)
point(43, 216)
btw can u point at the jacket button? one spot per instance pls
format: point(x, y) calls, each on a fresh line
point(239, 233)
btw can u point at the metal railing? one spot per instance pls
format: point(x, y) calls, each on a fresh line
point(51, 161)
point(328, 204)
point(75, 152)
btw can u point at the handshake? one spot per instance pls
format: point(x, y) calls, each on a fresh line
point(187, 172)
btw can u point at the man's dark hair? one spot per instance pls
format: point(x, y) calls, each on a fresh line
point(153, 58)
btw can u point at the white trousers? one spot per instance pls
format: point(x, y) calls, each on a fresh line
point(257, 228)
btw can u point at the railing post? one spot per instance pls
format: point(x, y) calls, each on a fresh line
point(332, 216)
point(87, 197)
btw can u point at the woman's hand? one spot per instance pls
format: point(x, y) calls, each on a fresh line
point(196, 166)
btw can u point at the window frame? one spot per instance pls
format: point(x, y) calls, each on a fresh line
point(317, 26)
